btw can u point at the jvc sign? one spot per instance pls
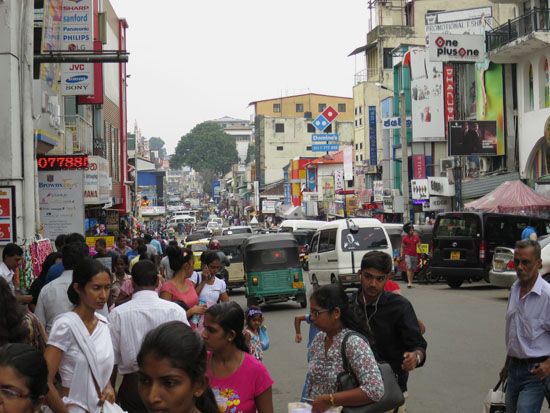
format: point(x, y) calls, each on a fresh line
point(456, 48)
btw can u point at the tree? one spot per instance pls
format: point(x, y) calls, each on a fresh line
point(208, 150)
point(156, 144)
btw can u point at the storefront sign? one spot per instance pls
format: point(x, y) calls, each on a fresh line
point(61, 202)
point(449, 94)
point(7, 214)
point(327, 185)
point(269, 206)
point(378, 191)
point(419, 166)
point(439, 185)
point(437, 203)
point(394, 122)
point(461, 48)
point(388, 203)
point(373, 149)
point(348, 162)
point(419, 188)
point(152, 210)
point(96, 181)
point(465, 21)
point(311, 179)
point(339, 183)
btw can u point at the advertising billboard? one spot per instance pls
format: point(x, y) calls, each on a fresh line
point(427, 97)
point(7, 214)
point(461, 48)
point(472, 138)
point(373, 149)
point(419, 189)
point(378, 191)
point(467, 21)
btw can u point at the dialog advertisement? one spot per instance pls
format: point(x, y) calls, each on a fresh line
point(427, 98)
point(472, 138)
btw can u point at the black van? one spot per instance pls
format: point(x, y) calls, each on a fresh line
point(463, 242)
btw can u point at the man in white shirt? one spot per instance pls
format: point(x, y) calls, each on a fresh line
point(12, 256)
point(53, 299)
point(131, 321)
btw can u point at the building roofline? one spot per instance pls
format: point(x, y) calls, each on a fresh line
point(302, 94)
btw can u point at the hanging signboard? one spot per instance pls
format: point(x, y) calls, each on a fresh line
point(440, 186)
point(378, 191)
point(373, 149)
point(462, 48)
point(419, 188)
point(7, 214)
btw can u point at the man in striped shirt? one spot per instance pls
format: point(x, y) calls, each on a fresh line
point(130, 322)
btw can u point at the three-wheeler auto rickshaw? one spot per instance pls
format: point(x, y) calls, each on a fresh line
point(272, 270)
point(231, 245)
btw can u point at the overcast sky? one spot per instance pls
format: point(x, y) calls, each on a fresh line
point(195, 60)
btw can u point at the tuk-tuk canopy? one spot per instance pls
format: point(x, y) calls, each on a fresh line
point(271, 252)
point(269, 241)
point(232, 240)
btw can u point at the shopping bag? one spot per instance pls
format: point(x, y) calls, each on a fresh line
point(264, 338)
point(495, 402)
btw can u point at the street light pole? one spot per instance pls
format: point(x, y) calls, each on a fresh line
point(404, 157)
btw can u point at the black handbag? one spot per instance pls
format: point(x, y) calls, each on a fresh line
point(393, 396)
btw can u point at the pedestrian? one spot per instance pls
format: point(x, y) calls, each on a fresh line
point(172, 350)
point(120, 275)
point(331, 313)
point(409, 245)
point(121, 246)
point(390, 317)
point(210, 288)
point(39, 282)
point(236, 377)
point(79, 347)
point(254, 321)
point(164, 267)
point(12, 257)
point(106, 257)
point(527, 366)
point(23, 378)
point(313, 330)
point(57, 269)
point(130, 322)
point(17, 324)
point(180, 288)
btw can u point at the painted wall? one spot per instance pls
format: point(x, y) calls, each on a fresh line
point(310, 103)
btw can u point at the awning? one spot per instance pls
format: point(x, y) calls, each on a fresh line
point(363, 49)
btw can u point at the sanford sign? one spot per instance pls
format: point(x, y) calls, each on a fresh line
point(456, 48)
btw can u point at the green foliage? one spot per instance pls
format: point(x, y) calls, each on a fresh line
point(207, 149)
point(156, 144)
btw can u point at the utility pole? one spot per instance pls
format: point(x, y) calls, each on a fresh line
point(404, 157)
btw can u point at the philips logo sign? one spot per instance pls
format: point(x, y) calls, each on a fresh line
point(77, 79)
point(456, 48)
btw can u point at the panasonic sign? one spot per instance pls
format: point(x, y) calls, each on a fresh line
point(463, 48)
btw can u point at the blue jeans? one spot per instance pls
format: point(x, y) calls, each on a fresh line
point(524, 390)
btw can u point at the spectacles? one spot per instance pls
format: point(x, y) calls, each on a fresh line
point(315, 313)
point(11, 393)
point(369, 277)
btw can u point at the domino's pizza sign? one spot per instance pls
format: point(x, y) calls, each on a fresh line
point(322, 121)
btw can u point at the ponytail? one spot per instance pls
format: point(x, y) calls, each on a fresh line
point(230, 316)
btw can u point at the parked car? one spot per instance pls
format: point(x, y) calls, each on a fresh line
point(464, 242)
point(503, 269)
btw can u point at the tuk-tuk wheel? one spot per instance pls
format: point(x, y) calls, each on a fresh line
point(252, 301)
point(302, 300)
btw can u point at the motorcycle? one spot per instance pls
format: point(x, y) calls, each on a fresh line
point(423, 272)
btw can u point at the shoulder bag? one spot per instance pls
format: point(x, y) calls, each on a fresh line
point(393, 396)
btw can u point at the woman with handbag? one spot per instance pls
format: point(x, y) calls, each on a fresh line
point(337, 342)
point(79, 346)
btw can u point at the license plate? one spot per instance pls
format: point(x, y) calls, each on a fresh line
point(298, 284)
point(455, 255)
point(499, 265)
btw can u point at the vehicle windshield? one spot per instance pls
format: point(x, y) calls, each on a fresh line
point(303, 238)
point(364, 239)
point(457, 226)
point(272, 259)
point(198, 247)
point(238, 231)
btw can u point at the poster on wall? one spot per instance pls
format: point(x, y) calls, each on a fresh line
point(339, 184)
point(419, 188)
point(327, 184)
point(61, 202)
point(7, 214)
point(427, 98)
point(490, 99)
point(378, 191)
point(472, 138)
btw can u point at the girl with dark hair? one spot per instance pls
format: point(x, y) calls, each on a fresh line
point(119, 277)
point(210, 288)
point(236, 377)
point(79, 347)
point(174, 351)
point(180, 288)
point(331, 313)
point(23, 378)
point(17, 325)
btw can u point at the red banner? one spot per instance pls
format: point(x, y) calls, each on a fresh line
point(449, 99)
point(419, 166)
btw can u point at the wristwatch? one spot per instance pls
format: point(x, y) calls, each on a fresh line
point(418, 359)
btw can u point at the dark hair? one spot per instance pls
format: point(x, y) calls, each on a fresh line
point(142, 250)
point(378, 260)
point(177, 257)
point(73, 254)
point(144, 273)
point(29, 363)
point(11, 250)
point(83, 272)
point(40, 281)
point(60, 240)
point(75, 237)
point(333, 295)
point(529, 243)
point(185, 350)
point(101, 241)
point(121, 238)
point(230, 316)
point(208, 257)
point(12, 327)
point(123, 258)
point(147, 238)
point(172, 243)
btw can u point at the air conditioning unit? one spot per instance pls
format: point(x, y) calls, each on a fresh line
point(446, 163)
point(307, 115)
point(485, 164)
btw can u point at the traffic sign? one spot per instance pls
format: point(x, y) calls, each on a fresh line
point(321, 123)
point(327, 147)
point(325, 137)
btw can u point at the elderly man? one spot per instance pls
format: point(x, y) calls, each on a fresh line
point(527, 366)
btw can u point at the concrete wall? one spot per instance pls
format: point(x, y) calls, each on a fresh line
point(310, 103)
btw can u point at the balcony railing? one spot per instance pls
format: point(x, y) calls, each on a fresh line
point(82, 133)
point(371, 74)
point(533, 21)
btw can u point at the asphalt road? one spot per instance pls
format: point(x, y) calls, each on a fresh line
point(466, 349)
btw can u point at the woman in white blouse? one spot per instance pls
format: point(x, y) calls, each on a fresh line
point(79, 346)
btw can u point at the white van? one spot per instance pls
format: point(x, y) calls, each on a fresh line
point(290, 225)
point(338, 247)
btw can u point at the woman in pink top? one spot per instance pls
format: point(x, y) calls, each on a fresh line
point(180, 289)
point(239, 381)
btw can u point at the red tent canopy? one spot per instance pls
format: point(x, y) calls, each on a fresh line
point(512, 197)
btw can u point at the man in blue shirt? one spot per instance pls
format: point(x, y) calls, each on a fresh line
point(527, 367)
point(56, 270)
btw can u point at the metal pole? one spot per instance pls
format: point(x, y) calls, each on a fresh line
point(404, 157)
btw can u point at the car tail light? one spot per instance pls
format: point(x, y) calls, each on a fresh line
point(511, 265)
point(482, 247)
point(254, 280)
